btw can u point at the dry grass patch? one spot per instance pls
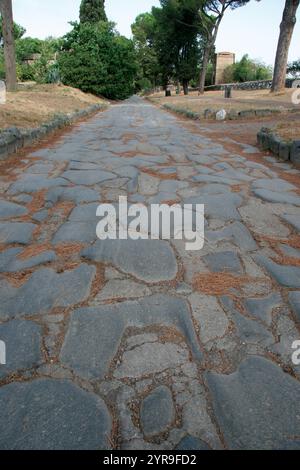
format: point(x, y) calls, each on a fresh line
point(161, 176)
point(288, 131)
point(32, 105)
point(220, 283)
point(68, 250)
point(242, 100)
point(38, 201)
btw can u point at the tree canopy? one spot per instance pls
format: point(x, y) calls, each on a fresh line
point(19, 31)
point(97, 60)
point(247, 70)
point(92, 11)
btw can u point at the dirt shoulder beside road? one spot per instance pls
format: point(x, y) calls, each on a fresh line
point(240, 101)
point(33, 105)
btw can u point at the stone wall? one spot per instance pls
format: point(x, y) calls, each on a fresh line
point(256, 85)
point(287, 151)
point(13, 139)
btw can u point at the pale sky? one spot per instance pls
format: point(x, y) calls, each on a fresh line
point(252, 29)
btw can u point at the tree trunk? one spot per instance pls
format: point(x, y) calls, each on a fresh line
point(185, 84)
point(9, 44)
point(204, 68)
point(286, 33)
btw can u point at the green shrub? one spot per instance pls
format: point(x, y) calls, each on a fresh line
point(97, 60)
point(247, 70)
point(25, 72)
point(144, 85)
point(53, 74)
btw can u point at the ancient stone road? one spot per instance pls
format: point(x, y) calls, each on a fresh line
point(144, 345)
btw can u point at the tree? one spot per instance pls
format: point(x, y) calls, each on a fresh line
point(247, 70)
point(92, 11)
point(19, 31)
point(144, 30)
point(9, 44)
point(211, 15)
point(286, 33)
point(178, 39)
point(98, 60)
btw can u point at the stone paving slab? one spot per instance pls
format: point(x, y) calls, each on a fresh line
point(46, 290)
point(261, 395)
point(10, 262)
point(98, 331)
point(23, 341)
point(142, 344)
point(9, 209)
point(75, 419)
point(16, 232)
point(136, 258)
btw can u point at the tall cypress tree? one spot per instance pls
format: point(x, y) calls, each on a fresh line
point(92, 11)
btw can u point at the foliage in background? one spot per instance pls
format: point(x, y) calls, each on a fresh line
point(2, 67)
point(168, 43)
point(97, 60)
point(247, 70)
point(294, 69)
point(92, 11)
point(42, 69)
point(19, 31)
point(211, 14)
point(144, 30)
point(178, 39)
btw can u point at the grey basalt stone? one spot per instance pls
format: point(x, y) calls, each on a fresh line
point(284, 151)
point(77, 194)
point(16, 232)
point(87, 177)
point(40, 216)
point(288, 276)
point(295, 152)
point(249, 331)
point(210, 318)
point(261, 308)
point(275, 184)
point(151, 358)
point(224, 261)
point(23, 198)
point(293, 220)
point(84, 213)
point(82, 232)
point(157, 411)
point(23, 340)
point(9, 261)
point(94, 334)
point(255, 406)
point(46, 290)
point(58, 416)
point(148, 260)
point(10, 209)
point(252, 332)
point(289, 251)
point(274, 196)
point(40, 168)
point(238, 233)
point(223, 206)
point(213, 178)
point(192, 443)
point(294, 299)
point(33, 183)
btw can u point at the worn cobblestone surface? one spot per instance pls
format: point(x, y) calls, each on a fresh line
point(144, 345)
